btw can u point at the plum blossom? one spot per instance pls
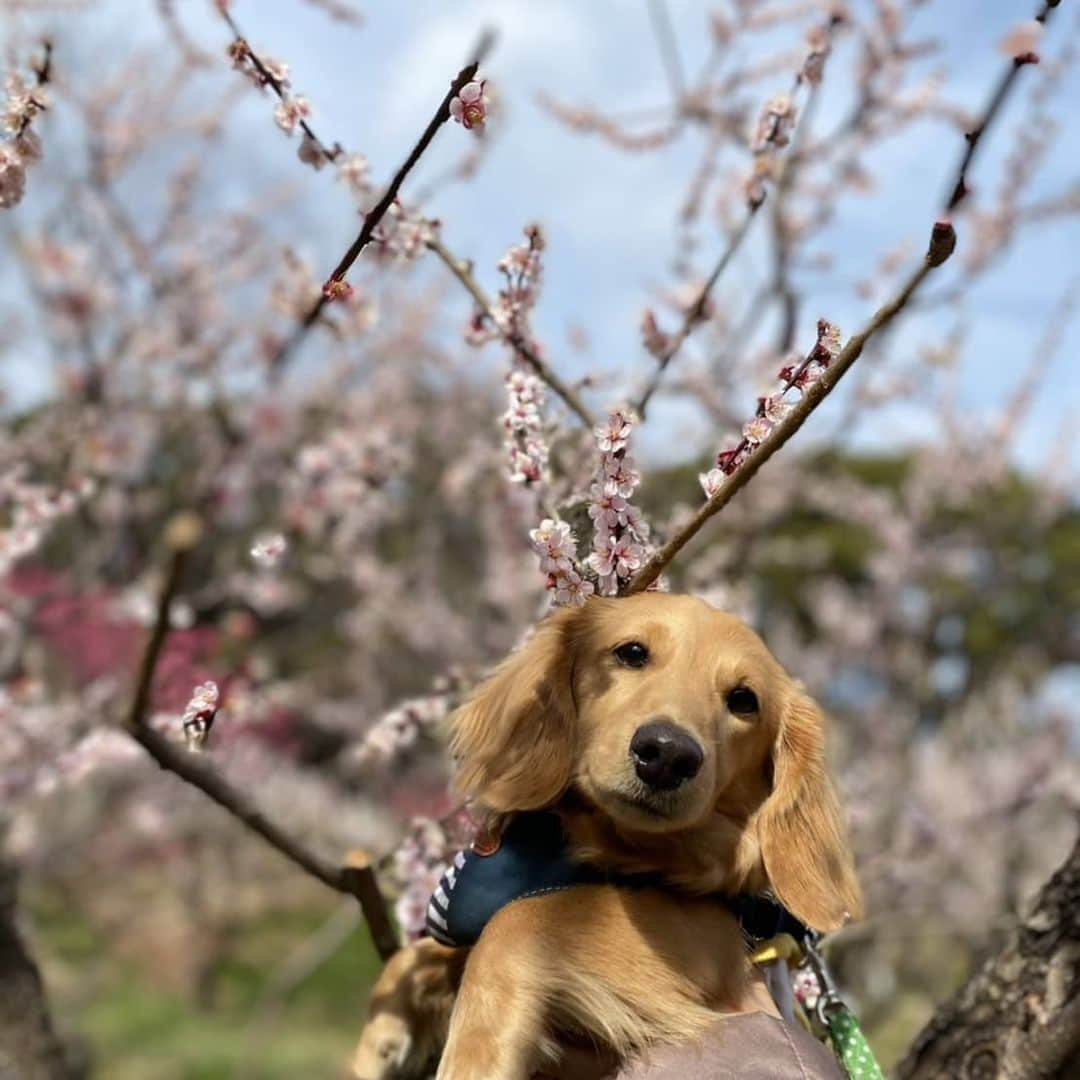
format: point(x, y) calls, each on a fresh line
point(775, 125)
point(28, 511)
point(526, 449)
point(310, 152)
point(772, 409)
point(619, 534)
point(12, 177)
point(336, 289)
point(655, 340)
point(419, 862)
point(526, 446)
point(615, 433)
point(290, 111)
point(469, 107)
point(402, 235)
point(399, 730)
point(1022, 42)
point(571, 589)
point(22, 104)
point(268, 550)
point(711, 481)
point(199, 715)
point(354, 171)
point(820, 41)
point(554, 542)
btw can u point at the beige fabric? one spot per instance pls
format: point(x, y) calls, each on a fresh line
point(752, 1046)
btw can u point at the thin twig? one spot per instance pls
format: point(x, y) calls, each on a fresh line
point(269, 79)
point(695, 314)
point(959, 188)
point(669, 48)
point(378, 211)
point(942, 242)
point(463, 272)
point(42, 75)
point(356, 878)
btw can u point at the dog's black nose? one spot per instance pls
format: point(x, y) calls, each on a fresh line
point(665, 755)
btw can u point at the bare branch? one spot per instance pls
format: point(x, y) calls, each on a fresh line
point(462, 270)
point(959, 188)
point(942, 243)
point(660, 18)
point(696, 313)
point(356, 878)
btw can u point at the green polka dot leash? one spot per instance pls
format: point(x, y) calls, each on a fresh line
point(817, 993)
point(850, 1045)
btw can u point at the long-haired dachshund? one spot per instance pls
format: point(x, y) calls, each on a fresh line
point(673, 747)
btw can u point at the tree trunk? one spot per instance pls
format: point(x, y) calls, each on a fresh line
point(29, 1046)
point(1018, 1018)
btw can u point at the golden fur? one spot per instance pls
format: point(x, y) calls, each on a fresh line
point(409, 1013)
point(626, 967)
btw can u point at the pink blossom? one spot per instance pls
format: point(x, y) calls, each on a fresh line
point(572, 589)
point(619, 559)
point(290, 112)
point(614, 434)
point(311, 153)
point(355, 171)
point(620, 477)
point(711, 482)
point(1022, 41)
point(554, 542)
point(775, 124)
point(199, 715)
point(469, 107)
point(269, 549)
point(756, 430)
point(12, 178)
point(336, 289)
point(654, 339)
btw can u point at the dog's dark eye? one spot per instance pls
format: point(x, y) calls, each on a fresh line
point(742, 701)
point(632, 654)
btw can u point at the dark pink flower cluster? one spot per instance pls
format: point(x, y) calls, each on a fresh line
point(772, 409)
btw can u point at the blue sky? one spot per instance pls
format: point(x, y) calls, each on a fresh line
point(610, 216)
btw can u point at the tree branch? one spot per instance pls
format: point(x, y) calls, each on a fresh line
point(462, 270)
point(356, 878)
point(695, 314)
point(959, 188)
point(269, 79)
point(378, 211)
point(1019, 1016)
point(942, 243)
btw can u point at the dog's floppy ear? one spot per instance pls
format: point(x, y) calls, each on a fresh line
point(513, 740)
point(801, 826)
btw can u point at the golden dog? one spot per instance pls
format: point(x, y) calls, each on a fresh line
point(671, 743)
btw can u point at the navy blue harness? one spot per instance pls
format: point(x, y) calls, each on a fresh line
point(531, 859)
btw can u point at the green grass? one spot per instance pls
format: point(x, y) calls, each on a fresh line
point(138, 1027)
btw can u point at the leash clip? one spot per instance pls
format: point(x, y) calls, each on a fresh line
point(829, 998)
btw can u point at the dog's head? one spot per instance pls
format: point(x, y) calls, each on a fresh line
point(669, 719)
